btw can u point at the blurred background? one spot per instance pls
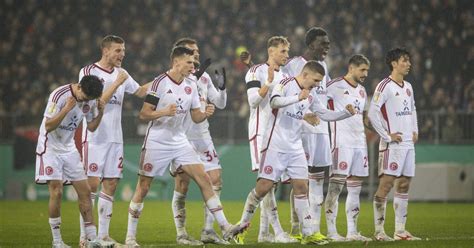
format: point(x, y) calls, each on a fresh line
point(43, 44)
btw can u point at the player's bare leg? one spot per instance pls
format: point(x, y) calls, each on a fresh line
point(400, 206)
point(94, 185)
point(135, 209)
point(386, 183)
point(336, 184)
point(55, 188)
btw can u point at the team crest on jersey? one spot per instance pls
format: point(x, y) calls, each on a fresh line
point(148, 167)
point(342, 165)
point(86, 108)
point(268, 169)
point(310, 99)
point(188, 90)
point(408, 92)
point(362, 93)
point(93, 167)
point(393, 166)
point(204, 80)
point(49, 170)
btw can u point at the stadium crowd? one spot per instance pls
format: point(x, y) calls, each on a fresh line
point(45, 43)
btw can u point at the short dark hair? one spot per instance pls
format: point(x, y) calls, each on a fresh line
point(313, 33)
point(314, 66)
point(359, 59)
point(91, 86)
point(185, 41)
point(107, 40)
point(394, 55)
point(180, 51)
point(277, 40)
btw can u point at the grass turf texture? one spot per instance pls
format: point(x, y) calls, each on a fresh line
point(25, 224)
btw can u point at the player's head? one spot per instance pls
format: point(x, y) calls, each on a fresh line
point(311, 74)
point(191, 44)
point(359, 66)
point(318, 43)
point(182, 60)
point(113, 50)
point(398, 60)
point(90, 88)
point(278, 48)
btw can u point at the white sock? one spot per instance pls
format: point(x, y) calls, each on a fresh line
point(295, 224)
point(215, 207)
point(81, 220)
point(331, 204)
point(105, 206)
point(208, 217)
point(265, 215)
point(55, 224)
point(316, 197)
point(273, 212)
point(352, 205)
point(302, 209)
point(380, 204)
point(179, 212)
point(134, 211)
point(91, 230)
point(251, 204)
point(400, 206)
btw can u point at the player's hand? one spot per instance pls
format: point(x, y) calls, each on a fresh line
point(122, 76)
point(100, 105)
point(304, 94)
point(271, 73)
point(202, 68)
point(210, 110)
point(246, 58)
point(396, 137)
point(415, 137)
point(351, 109)
point(70, 103)
point(220, 79)
point(311, 118)
point(170, 110)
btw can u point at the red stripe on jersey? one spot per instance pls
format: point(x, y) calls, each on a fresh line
point(383, 109)
point(41, 168)
point(333, 81)
point(142, 158)
point(260, 166)
point(45, 140)
point(156, 82)
point(255, 150)
point(254, 68)
point(286, 80)
point(59, 93)
point(147, 133)
point(275, 113)
point(382, 84)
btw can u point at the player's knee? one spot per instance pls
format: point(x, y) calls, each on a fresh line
point(216, 182)
point(385, 187)
point(56, 191)
point(403, 186)
point(300, 189)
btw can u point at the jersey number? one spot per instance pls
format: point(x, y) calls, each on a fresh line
point(209, 156)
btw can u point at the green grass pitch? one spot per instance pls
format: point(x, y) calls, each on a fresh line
point(25, 224)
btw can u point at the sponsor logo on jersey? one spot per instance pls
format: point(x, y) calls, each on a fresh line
point(72, 124)
point(299, 112)
point(49, 170)
point(114, 100)
point(320, 90)
point(179, 106)
point(357, 106)
point(188, 90)
point(406, 109)
point(346, 92)
point(169, 92)
point(397, 94)
point(93, 167)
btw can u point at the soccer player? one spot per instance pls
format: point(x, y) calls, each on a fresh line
point(57, 159)
point(103, 149)
point(200, 138)
point(170, 99)
point(349, 148)
point(283, 149)
point(393, 115)
point(261, 80)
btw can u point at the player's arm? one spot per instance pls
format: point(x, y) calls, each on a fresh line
point(197, 116)
point(141, 92)
point(94, 123)
point(149, 111)
point(279, 100)
point(365, 119)
point(52, 123)
point(376, 118)
point(328, 115)
point(218, 98)
point(415, 118)
point(109, 92)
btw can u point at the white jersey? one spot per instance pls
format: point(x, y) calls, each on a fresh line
point(62, 138)
point(393, 110)
point(110, 127)
point(207, 93)
point(348, 133)
point(293, 68)
point(169, 132)
point(259, 107)
point(284, 128)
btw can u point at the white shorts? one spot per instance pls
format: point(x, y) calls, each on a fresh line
point(59, 166)
point(103, 160)
point(397, 162)
point(153, 162)
point(350, 162)
point(255, 148)
point(207, 153)
point(317, 148)
point(274, 164)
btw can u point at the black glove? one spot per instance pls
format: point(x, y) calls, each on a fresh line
point(202, 68)
point(220, 79)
